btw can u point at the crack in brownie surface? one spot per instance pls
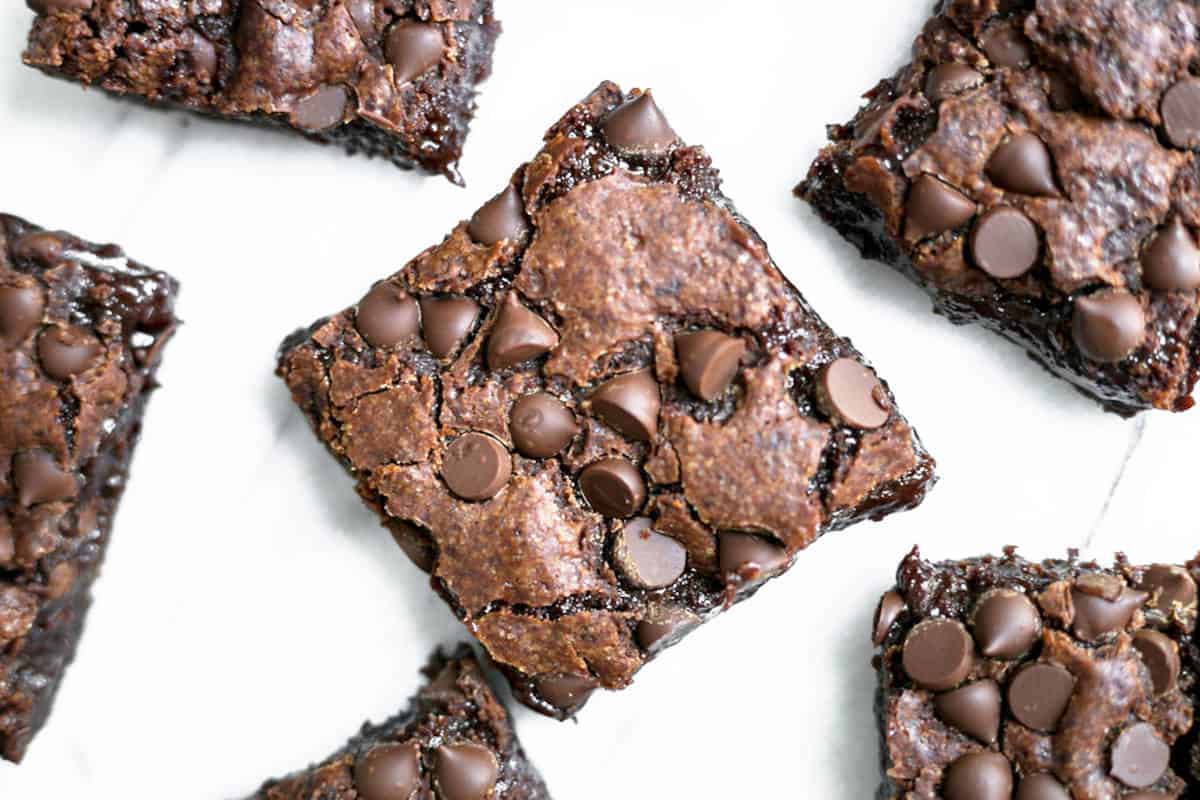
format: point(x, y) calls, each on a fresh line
point(81, 333)
point(1034, 170)
point(388, 78)
point(597, 413)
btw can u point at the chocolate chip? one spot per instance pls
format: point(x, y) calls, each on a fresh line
point(567, 693)
point(39, 479)
point(890, 607)
point(613, 487)
point(322, 109)
point(388, 772)
point(1042, 786)
point(639, 127)
point(663, 627)
point(412, 48)
point(645, 557)
point(1005, 243)
point(974, 709)
point(1062, 93)
point(1172, 259)
point(44, 247)
point(649, 634)
point(363, 14)
point(933, 208)
point(541, 425)
point(476, 466)
point(415, 543)
point(744, 557)
point(979, 776)
point(629, 404)
point(1108, 326)
point(21, 309)
point(388, 316)
point(68, 351)
point(1039, 696)
point(851, 395)
point(939, 654)
point(708, 361)
point(1161, 657)
point(1181, 113)
point(1176, 589)
point(499, 219)
point(203, 55)
point(1096, 617)
point(1007, 624)
point(947, 80)
point(1023, 165)
point(465, 771)
point(446, 322)
point(518, 335)
point(1006, 46)
point(1139, 756)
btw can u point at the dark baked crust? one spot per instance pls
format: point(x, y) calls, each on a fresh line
point(619, 254)
point(258, 61)
point(456, 706)
point(1092, 96)
point(87, 425)
point(1113, 688)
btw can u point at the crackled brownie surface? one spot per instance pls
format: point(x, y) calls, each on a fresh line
point(455, 741)
point(389, 78)
point(597, 413)
point(1034, 169)
point(81, 333)
point(1001, 677)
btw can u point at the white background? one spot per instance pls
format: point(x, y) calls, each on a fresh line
point(252, 613)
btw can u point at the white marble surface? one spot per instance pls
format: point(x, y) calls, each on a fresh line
point(252, 613)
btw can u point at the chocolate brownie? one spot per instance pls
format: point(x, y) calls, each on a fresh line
point(388, 78)
point(454, 742)
point(1001, 677)
point(597, 413)
point(1034, 169)
point(82, 330)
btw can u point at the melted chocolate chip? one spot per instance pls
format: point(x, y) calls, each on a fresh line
point(1005, 243)
point(39, 479)
point(412, 48)
point(933, 208)
point(629, 404)
point(1023, 165)
point(465, 771)
point(938, 654)
point(947, 80)
point(708, 362)
point(979, 776)
point(446, 323)
point(1042, 786)
point(890, 607)
point(68, 351)
point(746, 558)
point(388, 316)
point(21, 309)
point(1097, 616)
point(1139, 756)
point(639, 127)
point(388, 772)
point(1039, 695)
point(974, 709)
point(541, 425)
point(1173, 589)
point(567, 693)
point(1172, 259)
point(1108, 326)
point(1161, 657)
point(613, 487)
point(363, 14)
point(1181, 113)
point(1007, 624)
point(1006, 46)
point(476, 466)
point(322, 109)
point(646, 558)
point(851, 395)
point(519, 335)
point(44, 247)
point(499, 219)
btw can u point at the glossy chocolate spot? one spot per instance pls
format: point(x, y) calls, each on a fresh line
point(465, 771)
point(974, 709)
point(938, 654)
point(519, 335)
point(21, 309)
point(708, 362)
point(412, 48)
point(1108, 326)
point(629, 404)
point(388, 772)
point(476, 466)
point(1006, 46)
point(1007, 624)
point(499, 219)
point(44, 247)
point(68, 351)
point(446, 323)
point(39, 479)
point(662, 628)
point(541, 425)
point(1042, 786)
point(890, 607)
point(567, 693)
point(1039, 695)
point(646, 558)
point(979, 776)
point(363, 14)
point(1139, 756)
point(639, 127)
point(1096, 615)
point(1005, 243)
point(1181, 113)
point(933, 208)
point(613, 487)
point(1171, 587)
point(1172, 259)
point(851, 395)
point(1023, 165)
point(388, 316)
point(947, 80)
point(322, 109)
point(1161, 657)
point(746, 558)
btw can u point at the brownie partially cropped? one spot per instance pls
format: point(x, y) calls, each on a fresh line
point(82, 330)
point(1001, 677)
point(455, 741)
point(388, 78)
point(597, 412)
point(1034, 170)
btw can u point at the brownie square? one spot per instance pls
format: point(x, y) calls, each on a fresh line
point(82, 330)
point(1055, 679)
point(454, 736)
point(1034, 169)
point(388, 78)
point(597, 413)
